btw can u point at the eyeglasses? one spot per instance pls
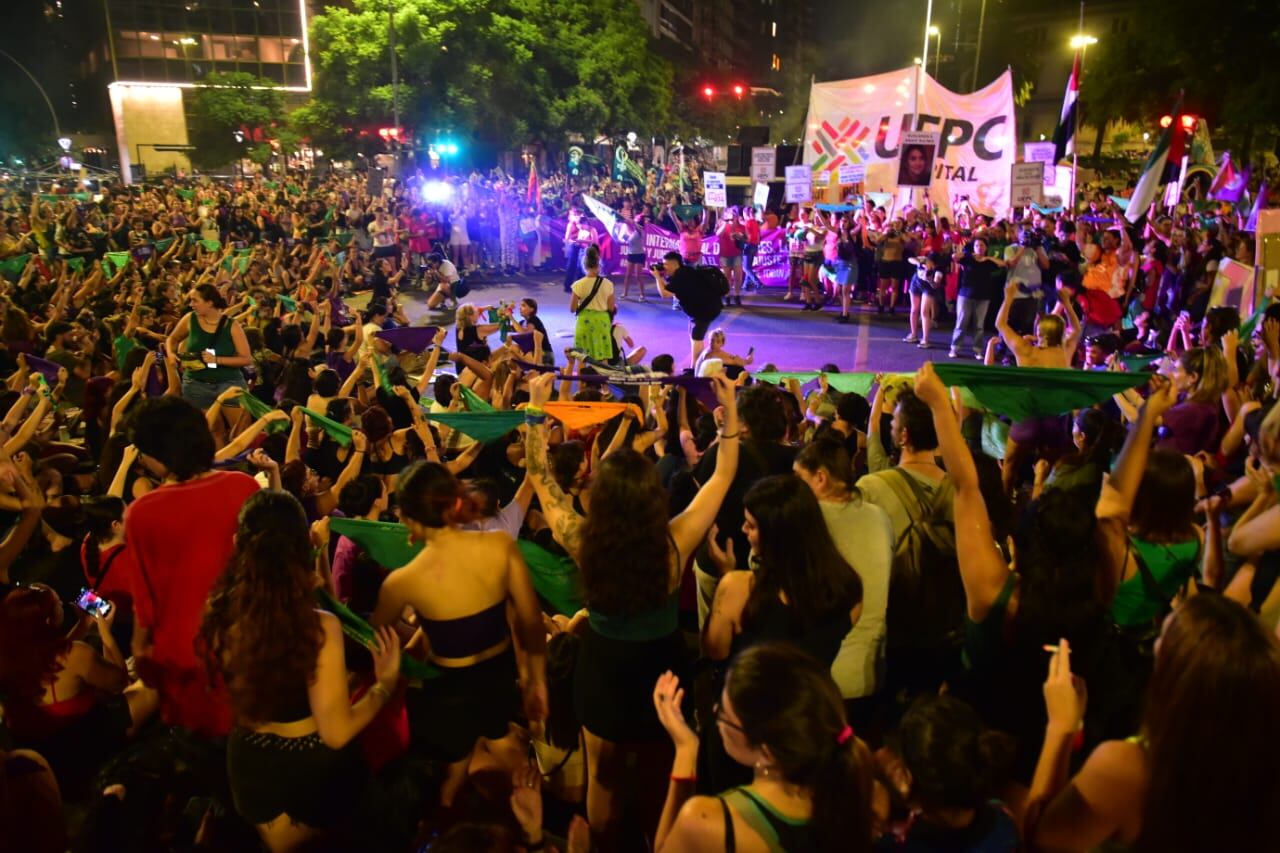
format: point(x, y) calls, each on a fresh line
point(720, 718)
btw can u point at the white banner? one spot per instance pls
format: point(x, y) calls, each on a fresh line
point(799, 184)
point(713, 190)
point(862, 121)
point(764, 164)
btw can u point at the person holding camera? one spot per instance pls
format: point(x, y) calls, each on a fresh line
point(696, 298)
point(1026, 261)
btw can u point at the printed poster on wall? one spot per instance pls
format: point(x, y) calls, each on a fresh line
point(862, 121)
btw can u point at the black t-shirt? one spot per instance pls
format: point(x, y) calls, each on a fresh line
point(696, 297)
point(980, 278)
point(756, 460)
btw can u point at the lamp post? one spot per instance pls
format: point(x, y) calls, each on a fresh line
point(929, 30)
point(936, 34)
point(1080, 42)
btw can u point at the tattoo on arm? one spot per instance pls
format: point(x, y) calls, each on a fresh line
point(566, 522)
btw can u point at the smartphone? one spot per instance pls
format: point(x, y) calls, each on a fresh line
point(210, 358)
point(90, 602)
point(751, 351)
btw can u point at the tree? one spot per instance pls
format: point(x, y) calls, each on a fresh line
point(229, 104)
point(504, 71)
point(1220, 62)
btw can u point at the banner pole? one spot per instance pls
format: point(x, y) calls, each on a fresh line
point(1075, 132)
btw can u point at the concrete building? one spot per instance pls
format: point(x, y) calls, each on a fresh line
point(157, 51)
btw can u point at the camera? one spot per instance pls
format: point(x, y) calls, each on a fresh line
point(657, 267)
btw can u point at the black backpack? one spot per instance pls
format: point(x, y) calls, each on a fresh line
point(714, 280)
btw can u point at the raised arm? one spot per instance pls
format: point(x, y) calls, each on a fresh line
point(1008, 334)
point(983, 570)
point(690, 526)
point(556, 506)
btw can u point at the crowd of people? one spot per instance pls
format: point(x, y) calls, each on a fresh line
point(283, 572)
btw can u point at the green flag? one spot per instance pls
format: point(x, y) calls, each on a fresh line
point(473, 401)
point(259, 409)
point(76, 264)
point(344, 238)
point(13, 267)
point(387, 542)
point(383, 379)
point(484, 427)
point(186, 195)
point(362, 632)
point(211, 245)
point(1032, 392)
point(1247, 327)
point(335, 430)
point(270, 184)
point(556, 579)
point(118, 260)
point(1139, 362)
point(290, 304)
point(123, 347)
point(845, 383)
point(163, 245)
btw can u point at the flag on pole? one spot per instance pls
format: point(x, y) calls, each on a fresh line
point(534, 191)
point(1229, 183)
point(1259, 204)
point(1153, 172)
point(1064, 137)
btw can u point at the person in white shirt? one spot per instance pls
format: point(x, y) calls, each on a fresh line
point(444, 273)
point(383, 232)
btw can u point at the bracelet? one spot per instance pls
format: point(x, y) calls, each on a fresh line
point(727, 436)
point(534, 410)
point(535, 420)
point(680, 779)
point(379, 690)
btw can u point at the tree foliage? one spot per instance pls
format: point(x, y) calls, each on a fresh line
point(508, 71)
point(231, 102)
point(1221, 61)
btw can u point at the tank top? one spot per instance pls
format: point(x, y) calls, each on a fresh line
point(219, 340)
point(779, 832)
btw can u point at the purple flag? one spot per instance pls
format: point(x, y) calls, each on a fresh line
point(45, 367)
point(536, 368)
point(1258, 205)
point(411, 338)
point(1229, 184)
point(524, 340)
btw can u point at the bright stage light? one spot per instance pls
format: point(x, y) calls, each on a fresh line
point(437, 192)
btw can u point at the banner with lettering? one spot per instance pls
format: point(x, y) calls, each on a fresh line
point(862, 121)
point(771, 262)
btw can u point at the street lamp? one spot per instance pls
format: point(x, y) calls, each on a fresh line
point(1082, 41)
point(937, 48)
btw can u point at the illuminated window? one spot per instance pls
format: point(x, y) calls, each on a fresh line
point(776, 65)
point(775, 29)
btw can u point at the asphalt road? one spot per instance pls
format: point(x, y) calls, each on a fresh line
point(782, 334)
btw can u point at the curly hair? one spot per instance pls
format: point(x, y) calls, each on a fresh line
point(31, 643)
point(260, 630)
point(625, 556)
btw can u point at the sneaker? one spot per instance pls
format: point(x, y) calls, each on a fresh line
point(641, 298)
point(911, 339)
point(922, 345)
point(980, 356)
point(953, 353)
point(790, 297)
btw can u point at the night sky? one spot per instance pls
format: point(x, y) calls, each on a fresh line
point(860, 38)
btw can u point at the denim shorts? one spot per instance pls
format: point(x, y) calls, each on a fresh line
point(202, 394)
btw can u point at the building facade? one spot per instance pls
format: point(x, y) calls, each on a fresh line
point(157, 51)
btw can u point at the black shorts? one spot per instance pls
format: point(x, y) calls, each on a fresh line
point(448, 714)
point(698, 327)
point(613, 684)
point(635, 257)
point(896, 270)
point(301, 777)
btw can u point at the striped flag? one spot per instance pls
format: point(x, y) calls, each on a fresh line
point(1153, 172)
point(1064, 137)
point(1259, 205)
point(1229, 184)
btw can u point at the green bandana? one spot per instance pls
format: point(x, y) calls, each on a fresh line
point(362, 632)
point(473, 401)
point(13, 267)
point(211, 245)
point(118, 260)
point(163, 245)
point(335, 430)
point(186, 195)
point(555, 579)
point(1034, 392)
point(484, 427)
point(258, 409)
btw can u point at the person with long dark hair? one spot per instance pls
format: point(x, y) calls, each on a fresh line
point(632, 557)
point(800, 589)
point(292, 759)
point(1172, 787)
point(462, 585)
point(781, 715)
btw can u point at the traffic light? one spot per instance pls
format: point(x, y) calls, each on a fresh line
point(1186, 121)
point(708, 92)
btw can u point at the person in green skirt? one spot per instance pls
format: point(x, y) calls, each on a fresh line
point(593, 302)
